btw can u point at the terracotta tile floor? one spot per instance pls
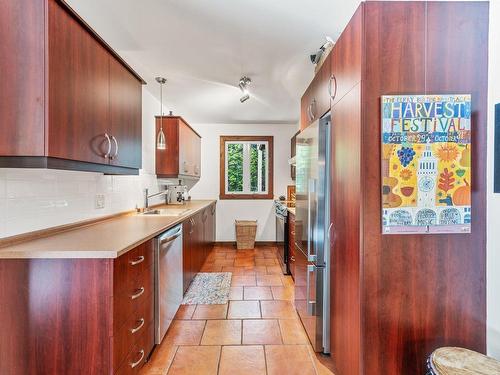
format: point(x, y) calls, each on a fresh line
point(257, 332)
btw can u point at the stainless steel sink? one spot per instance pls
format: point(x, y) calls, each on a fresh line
point(167, 212)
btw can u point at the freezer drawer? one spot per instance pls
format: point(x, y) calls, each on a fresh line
point(309, 297)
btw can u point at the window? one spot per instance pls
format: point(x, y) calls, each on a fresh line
point(246, 167)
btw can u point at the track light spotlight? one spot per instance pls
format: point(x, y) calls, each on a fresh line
point(243, 85)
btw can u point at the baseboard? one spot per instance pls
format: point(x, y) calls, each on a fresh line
point(232, 244)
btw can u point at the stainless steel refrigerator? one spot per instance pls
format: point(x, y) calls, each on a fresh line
point(312, 264)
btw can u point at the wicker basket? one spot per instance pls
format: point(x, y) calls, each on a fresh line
point(245, 234)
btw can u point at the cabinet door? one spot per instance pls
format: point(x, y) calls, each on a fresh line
point(187, 149)
point(200, 246)
point(197, 156)
point(305, 107)
point(291, 243)
point(346, 61)
point(292, 154)
point(126, 116)
point(78, 91)
point(22, 88)
point(321, 92)
point(187, 243)
point(209, 231)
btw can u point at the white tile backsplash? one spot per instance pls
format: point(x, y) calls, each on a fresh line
point(32, 199)
point(36, 200)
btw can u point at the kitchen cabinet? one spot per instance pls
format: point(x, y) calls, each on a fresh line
point(346, 60)
point(316, 100)
point(77, 105)
point(182, 156)
point(292, 154)
point(379, 283)
point(97, 314)
point(125, 95)
point(198, 239)
point(291, 243)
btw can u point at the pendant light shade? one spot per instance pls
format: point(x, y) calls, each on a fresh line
point(161, 141)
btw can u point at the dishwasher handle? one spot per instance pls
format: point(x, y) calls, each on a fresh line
point(170, 238)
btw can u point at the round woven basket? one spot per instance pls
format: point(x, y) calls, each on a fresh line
point(460, 361)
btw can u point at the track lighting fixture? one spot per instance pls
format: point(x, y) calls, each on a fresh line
point(243, 85)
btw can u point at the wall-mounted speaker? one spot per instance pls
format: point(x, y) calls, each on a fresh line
point(496, 163)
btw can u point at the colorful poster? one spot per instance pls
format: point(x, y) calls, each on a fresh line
point(426, 164)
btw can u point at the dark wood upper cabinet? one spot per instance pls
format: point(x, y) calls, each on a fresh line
point(345, 61)
point(22, 95)
point(76, 104)
point(78, 91)
point(182, 157)
point(125, 116)
point(316, 100)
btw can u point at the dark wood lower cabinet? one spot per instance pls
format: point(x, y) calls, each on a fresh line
point(77, 316)
point(198, 239)
point(291, 243)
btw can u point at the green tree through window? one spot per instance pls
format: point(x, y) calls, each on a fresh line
point(235, 167)
point(245, 167)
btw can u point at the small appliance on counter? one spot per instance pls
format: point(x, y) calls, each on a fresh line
point(178, 194)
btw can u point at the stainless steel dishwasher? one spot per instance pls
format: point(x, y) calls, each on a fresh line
point(168, 279)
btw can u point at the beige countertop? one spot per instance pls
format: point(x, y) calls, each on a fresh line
point(106, 239)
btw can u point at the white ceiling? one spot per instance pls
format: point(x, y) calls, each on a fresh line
point(203, 47)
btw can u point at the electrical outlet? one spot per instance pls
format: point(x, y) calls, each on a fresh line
point(99, 201)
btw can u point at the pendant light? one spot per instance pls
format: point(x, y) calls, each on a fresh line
point(161, 142)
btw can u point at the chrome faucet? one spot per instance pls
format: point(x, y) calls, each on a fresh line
point(147, 196)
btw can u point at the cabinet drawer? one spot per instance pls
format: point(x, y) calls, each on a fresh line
point(129, 299)
point(130, 267)
point(139, 354)
point(129, 333)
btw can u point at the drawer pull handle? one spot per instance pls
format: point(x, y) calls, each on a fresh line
point(137, 261)
point(135, 329)
point(138, 294)
point(135, 364)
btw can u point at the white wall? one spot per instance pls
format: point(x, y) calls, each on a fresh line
point(32, 199)
point(229, 210)
point(493, 260)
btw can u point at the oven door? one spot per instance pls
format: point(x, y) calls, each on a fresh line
point(282, 242)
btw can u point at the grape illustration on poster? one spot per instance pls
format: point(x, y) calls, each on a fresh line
point(426, 164)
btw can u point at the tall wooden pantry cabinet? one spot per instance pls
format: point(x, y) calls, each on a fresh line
point(396, 298)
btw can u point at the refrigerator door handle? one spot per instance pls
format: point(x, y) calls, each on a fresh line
point(310, 257)
point(310, 305)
